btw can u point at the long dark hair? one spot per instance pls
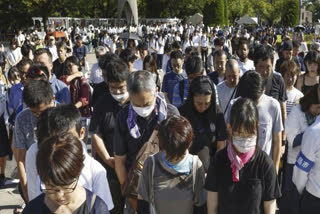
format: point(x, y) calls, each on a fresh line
point(201, 85)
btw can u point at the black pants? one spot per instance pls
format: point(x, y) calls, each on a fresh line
point(204, 56)
point(309, 204)
point(159, 60)
point(117, 198)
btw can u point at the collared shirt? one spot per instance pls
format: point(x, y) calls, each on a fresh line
point(170, 80)
point(306, 173)
point(138, 65)
point(124, 143)
point(80, 52)
point(96, 74)
point(92, 177)
point(24, 130)
point(15, 102)
point(103, 122)
point(60, 89)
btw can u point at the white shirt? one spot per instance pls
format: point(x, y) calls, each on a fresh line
point(54, 52)
point(96, 74)
point(306, 172)
point(296, 123)
point(13, 56)
point(93, 176)
point(294, 96)
point(204, 41)
point(185, 45)
point(21, 38)
point(138, 65)
point(247, 66)
point(165, 60)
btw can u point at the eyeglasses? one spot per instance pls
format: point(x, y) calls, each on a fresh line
point(65, 190)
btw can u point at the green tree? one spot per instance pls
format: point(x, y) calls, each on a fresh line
point(290, 16)
point(226, 12)
point(213, 13)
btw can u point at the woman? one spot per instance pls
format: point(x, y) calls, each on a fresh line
point(79, 87)
point(172, 180)
point(13, 53)
point(150, 64)
point(301, 117)
point(59, 164)
point(206, 119)
point(241, 177)
point(311, 77)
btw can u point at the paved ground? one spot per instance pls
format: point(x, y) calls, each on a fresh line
point(9, 195)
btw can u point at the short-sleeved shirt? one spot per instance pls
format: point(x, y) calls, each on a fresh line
point(24, 130)
point(226, 94)
point(258, 182)
point(60, 89)
point(15, 101)
point(99, 90)
point(214, 76)
point(170, 80)
point(173, 191)
point(180, 93)
point(38, 206)
point(80, 52)
point(124, 143)
point(103, 122)
point(270, 121)
point(278, 90)
point(294, 96)
point(59, 69)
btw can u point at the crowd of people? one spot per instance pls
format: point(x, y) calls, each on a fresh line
point(181, 119)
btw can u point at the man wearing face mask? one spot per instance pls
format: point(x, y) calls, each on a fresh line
point(138, 121)
point(103, 123)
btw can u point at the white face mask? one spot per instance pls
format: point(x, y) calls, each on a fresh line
point(143, 111)
point(244, 144)
point(120, 97)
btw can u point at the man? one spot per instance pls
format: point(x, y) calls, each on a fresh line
point(274, 83)
point(103, 123)
point(306, 175)
point(295, 53)
point(227, 88)
point(96, 72)
point(143, 52)
point(61, 91)
point(194, 69)
point(66, 118)
point(80, 51)
point(244, 62)
point(220, 60)
point(285, 53)
point(52, 48)
point(136, 123)
point(102, 88)
point(21, 38)
point(38, 96)
point(59, 66)
point(219, 46)
point(172, 78)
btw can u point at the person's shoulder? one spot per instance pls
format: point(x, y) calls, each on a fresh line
point(172, 110)
point(221, 85)
point(25, 113)
point(263, 160)
point(35, 206)
point(277, 77)
point(268, 100)
point(298, 92)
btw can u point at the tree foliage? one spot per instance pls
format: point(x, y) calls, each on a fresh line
point(290, 16)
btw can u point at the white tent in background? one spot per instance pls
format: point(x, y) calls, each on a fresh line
point(196, 19)
point(247, 20)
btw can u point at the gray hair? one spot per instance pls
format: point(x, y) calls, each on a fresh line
point(140, 81)
point(101, 49)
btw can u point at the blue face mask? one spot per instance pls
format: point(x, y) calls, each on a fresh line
point(184, 166)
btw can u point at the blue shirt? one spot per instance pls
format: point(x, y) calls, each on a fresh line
point(169, 81)
point(177, 99)
point(60, 90)
point(80, 52)
point(15, 102)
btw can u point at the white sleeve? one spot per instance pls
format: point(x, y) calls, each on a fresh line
point(292, 124)
point(305, 160)
point(277, 125)
point(100, 183)
point(33, 181)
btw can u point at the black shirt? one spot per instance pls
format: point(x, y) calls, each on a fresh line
point(59, 69)
point(99, 90)
point(277, 90)
point(124, 143)
point(103, 122)
point(258, 182)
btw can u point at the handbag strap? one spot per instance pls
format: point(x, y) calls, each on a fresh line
point(93, 200)
point(152, 204)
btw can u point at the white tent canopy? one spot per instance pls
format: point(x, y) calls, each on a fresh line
point(196, 19)
point(247, 20)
